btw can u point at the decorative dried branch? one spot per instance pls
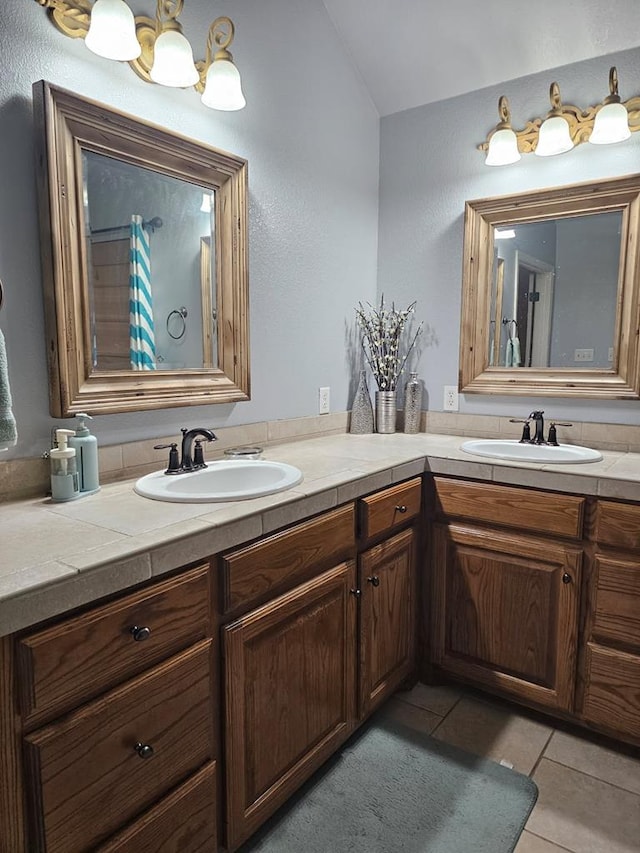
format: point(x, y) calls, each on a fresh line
point(381, 341)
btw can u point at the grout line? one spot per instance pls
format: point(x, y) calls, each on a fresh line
point(444, 717)
point(549, 840)
point(542, 754)
point(597, 778)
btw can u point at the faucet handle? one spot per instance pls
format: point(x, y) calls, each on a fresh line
point(174, 461)
point(553, 438)
point(526, 429)
point(198, 454)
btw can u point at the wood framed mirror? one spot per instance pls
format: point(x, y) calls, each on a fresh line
point(145, 261)
point(551, 292)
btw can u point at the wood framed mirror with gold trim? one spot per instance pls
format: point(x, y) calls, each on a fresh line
point(131, 297)
point(551, 292)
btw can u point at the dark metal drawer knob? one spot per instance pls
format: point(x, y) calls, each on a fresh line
point(140, 633)
point(566, 578)
point(402, 509)
point(144, 750)
point(374, 580)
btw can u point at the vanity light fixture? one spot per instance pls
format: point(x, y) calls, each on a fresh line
point(157, 50)
point(112, 31)
point(503, 143)
point(564, 127)
point(173, 63)
point(611, 123)
point(554, 136)
point(223, 89)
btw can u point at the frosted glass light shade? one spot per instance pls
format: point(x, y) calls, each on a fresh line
point(173, 63)
point(554, 137)
point(611, 125)
point(503, 148)
point(112, 31)
point(223, 88)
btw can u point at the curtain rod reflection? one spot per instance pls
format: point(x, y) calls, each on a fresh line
point(150, 224)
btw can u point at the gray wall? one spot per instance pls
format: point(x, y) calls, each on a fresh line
point(430, 166)
point(588, 256)
point(310, 134)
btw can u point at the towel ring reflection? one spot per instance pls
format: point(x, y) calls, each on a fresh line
point(182, 313)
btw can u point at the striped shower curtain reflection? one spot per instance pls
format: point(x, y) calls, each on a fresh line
point(142, 344)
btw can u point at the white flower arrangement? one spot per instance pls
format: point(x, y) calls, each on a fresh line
point(381, 341)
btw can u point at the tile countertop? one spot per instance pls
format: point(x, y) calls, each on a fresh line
point(57, 556)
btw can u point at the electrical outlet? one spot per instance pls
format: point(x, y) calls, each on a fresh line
point(583, 354)
point(610, 354)
point(450, 398)
point(324, 400)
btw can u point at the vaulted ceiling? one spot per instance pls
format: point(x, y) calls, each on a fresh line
point(413, 52)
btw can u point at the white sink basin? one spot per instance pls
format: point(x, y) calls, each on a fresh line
point(544, 453)
point(226, 480)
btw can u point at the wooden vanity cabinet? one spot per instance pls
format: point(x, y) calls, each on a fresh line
point(505, 602)
point(388, 584)
point(610, 686)
point(303, 669)
point(118, 735)
point(290, 675)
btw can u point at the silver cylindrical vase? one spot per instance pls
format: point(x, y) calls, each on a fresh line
point(385, 411)
point(412, 404)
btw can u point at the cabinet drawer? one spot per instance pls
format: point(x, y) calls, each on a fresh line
point(612, 693)
point(64, 665)
point(85, 776)
point(184, 822)
point(617, 601)
point(618, 524)
point(526, 509)
point(283, 559)
point(388, 509)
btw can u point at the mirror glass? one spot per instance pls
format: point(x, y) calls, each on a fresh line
point(550, 292)
point(144, 250)
point(550, 279)
point(161, 221)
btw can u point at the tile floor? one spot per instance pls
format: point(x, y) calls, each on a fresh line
point(589, 791)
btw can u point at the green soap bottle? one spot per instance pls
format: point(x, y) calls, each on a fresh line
point(86, 447)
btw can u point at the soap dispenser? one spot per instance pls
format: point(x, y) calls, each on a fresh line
point(86, 447)
point(64, 472)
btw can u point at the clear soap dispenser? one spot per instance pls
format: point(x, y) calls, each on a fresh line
point(64, 471)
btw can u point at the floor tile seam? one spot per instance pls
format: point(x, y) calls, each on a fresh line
point(550, 840)
point(542, 753)
point(444, 717)
point(591, 776)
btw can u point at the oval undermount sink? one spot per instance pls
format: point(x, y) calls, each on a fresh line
point(226, 480)
point(497, 448)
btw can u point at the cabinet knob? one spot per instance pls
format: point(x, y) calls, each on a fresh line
point(401, 509)
point(140, 633)
point(374, 580)
point(144, 750)
point(356, 592)
point(566, 578)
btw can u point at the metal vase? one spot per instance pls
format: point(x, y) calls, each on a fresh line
point(385, 411)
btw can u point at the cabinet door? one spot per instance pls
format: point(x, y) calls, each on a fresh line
point(387, 627)
point(505, 612)
point(290, 694)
